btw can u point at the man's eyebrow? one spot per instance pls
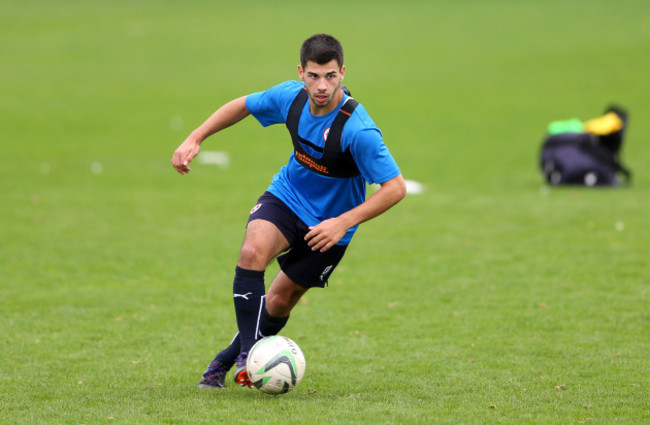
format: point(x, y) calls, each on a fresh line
point(316, 74)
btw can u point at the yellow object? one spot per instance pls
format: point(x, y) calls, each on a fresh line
point(607, 124)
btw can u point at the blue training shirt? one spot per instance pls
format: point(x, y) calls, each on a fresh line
point(311, 196)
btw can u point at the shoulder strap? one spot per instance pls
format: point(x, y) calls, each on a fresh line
point(293, 117)
point(333, 143)
point(341, 163)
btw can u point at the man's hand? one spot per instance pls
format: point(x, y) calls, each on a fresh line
point(185, 154)
point(229, 114)
point(326, 234)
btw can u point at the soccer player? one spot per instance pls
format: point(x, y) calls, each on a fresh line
point(309, 213)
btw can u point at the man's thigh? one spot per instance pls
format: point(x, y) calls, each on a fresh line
point(262, 243)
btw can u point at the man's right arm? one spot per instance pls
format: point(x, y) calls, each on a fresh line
point(229, 114)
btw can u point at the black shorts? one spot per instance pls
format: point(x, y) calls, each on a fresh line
point(305, 267)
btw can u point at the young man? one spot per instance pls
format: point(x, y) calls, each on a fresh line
point(313, 205)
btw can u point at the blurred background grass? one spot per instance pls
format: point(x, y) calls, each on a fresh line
point(114, 269)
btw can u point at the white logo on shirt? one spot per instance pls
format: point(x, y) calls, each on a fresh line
point(326, 133)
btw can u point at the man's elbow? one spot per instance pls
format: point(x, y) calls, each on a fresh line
point(399, 188)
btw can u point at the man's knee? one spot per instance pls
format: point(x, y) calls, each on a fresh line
point(278, 304)
point(253, 257)
point(280, 301)
point(262, 243)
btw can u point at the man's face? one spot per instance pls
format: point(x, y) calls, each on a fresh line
point(322, 83)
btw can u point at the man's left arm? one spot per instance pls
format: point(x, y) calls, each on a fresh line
point(328, 232)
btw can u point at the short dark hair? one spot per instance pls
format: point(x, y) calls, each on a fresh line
point(321, 48)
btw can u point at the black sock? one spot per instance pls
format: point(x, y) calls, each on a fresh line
point(228, 355)
point(270, 325)
point(248, 294)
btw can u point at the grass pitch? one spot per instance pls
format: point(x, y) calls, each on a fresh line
point(489, 298)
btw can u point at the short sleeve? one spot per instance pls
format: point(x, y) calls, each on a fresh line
point(272, 106)
point(373, 158)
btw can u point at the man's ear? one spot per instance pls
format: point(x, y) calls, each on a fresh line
point(301, 73)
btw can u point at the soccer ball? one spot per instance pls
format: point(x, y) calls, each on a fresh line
point(275, 365)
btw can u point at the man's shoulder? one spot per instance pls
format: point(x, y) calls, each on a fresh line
point(272, 105)
point(360, 120)
point(288, 88)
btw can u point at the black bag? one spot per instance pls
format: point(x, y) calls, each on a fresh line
point(590, 157)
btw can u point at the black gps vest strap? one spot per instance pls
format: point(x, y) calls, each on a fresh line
point(334, 162)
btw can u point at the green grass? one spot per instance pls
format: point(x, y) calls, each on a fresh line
point(489, 299)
